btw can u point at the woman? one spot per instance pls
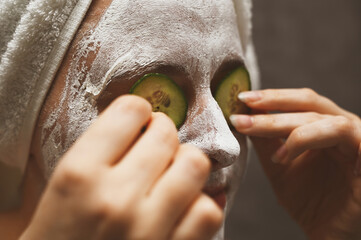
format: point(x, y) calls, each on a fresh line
point(119, 181)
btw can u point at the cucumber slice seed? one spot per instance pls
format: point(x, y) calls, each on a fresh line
point(227, 92)
point(164, 95)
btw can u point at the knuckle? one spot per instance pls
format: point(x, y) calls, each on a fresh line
point(165, 130)
point(296, 138)
point(342, 124)
point(69, 178)
point(113, 212)
point(165, 121)
point(103, 210)
point(341, 121)
point(309, 93)
point(132, 104)
point(314, 116)
point(355, 117)
point(196, 160)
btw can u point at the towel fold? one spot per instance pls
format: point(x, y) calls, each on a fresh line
point(34, 38)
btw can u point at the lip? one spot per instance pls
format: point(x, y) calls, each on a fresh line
point(218, 194)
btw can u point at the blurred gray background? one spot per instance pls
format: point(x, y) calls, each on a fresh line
point(299, 43)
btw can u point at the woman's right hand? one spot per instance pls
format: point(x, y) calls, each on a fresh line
point(118, 183)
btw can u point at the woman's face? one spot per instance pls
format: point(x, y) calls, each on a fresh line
point(196, 43)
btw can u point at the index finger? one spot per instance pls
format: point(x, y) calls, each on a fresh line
point(273, 125)
point(290, 100)
point(115, 130)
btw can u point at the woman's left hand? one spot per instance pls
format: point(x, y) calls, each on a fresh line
point(311, 153)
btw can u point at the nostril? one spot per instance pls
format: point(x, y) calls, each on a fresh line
point(215, 164)
point(221, 159)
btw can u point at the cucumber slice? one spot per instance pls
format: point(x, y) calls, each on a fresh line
point(229, 88)
point(164, 95)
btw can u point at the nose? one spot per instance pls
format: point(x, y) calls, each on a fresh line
point(207, 129)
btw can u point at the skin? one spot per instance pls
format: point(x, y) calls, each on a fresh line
point(122, 199)
point(174, 173)
point(316, 171)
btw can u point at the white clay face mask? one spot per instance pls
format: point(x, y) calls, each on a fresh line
point(131, 39)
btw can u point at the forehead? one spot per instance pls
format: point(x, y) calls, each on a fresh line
point(175, 17)
point(169, 28)
point(135, 36)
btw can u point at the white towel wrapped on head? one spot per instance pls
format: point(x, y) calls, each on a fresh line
point(34, 38)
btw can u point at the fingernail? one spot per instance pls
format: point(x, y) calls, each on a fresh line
point(241, 121)
point(250, 96)
point(280, 154)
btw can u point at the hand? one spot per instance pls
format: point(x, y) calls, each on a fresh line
point(118, 183)
point(311, 154)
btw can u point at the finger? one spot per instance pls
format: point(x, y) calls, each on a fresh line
point(112, 133)
point(330, 132)
point(290, 100)
point(150, 155)
point(179, 185)
point(202, 220)
point(273, 125)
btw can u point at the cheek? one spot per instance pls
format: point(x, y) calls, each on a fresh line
point(66, 121)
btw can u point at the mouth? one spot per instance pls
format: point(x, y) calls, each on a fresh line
point(218, 193)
